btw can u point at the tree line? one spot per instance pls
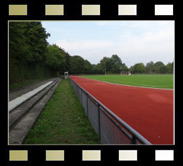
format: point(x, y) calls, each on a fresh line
point(32, 57)
point(27, 52)
point(152, 68)
point(114, 65)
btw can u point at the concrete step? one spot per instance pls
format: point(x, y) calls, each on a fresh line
point(20, 130)
point(20, 111)
point(19, 100)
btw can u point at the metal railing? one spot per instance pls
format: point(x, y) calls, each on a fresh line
point(111, 129)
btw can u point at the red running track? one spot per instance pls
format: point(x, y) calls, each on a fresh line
point(149, 111)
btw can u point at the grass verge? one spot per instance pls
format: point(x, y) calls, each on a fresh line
point(152, 81)
point(62, 121)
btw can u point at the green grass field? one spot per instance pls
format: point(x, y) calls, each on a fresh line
point(153, 81)
point(63, 121)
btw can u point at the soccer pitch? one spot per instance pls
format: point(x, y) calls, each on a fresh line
point(164, 81)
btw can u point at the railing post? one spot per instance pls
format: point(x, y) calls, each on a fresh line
point(78, 91)
point(87, 105)
point(99, 121)
point(81, 96)
point(134, 140)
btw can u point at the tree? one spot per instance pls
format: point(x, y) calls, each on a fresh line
point(138, 68)
point(159, 67)
point(124, 67)
point(150, 67)
point(87, 67)
point(76, 65)
point(97, 69)
point(31, 38)
point(55, 58)
point(36, 38)
point(116, 64)
point(67, 58)
point(169, 68)
point(17, 40)
point(27, 48)
point(105, 64)
point(132, 69)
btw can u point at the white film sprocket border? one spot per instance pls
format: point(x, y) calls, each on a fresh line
point(63, 153)
point(90, 155)
point(91, 10)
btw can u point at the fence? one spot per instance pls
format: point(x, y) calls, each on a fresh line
point(111, 129)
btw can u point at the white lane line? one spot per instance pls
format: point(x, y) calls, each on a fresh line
point(19, 100)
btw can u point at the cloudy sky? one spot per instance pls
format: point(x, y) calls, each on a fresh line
point(132, 41)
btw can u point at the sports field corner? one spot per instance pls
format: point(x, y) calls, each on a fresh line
point(147, 110)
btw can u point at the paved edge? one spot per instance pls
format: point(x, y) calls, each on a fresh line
point(18, 135)
point(19, 100)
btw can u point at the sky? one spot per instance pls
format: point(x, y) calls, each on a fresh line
point(133, 41)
